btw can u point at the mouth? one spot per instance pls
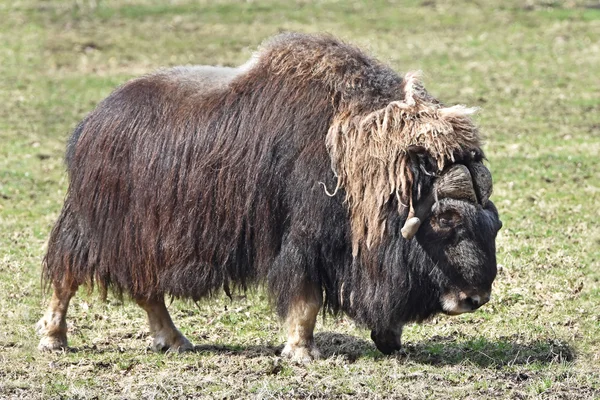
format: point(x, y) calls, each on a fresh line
point(456, 303)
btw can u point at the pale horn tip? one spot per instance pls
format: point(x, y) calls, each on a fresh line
point(410, 228)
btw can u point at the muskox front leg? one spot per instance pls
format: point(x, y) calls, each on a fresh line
point(52, 327)
point(387, 341)
point(301, 319)
point(163, 330)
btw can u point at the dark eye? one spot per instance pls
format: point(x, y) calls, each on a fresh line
point(448, 220)
point(445, 222)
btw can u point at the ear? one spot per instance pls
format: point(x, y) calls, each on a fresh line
point(422, 159)
point(416, 151)
point(423, 169)
point(422, 197)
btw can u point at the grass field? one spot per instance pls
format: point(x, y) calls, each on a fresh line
point(534, 69)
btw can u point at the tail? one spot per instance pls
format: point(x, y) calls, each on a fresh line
point(63, 237)
point(66, 260)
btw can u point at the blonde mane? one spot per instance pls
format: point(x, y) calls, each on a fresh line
point(369, 152)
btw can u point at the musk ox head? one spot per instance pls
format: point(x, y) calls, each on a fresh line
point(456, 224)
point(427, 158)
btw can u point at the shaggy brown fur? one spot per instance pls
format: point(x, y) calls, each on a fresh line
point(368, 137)
point(195, 179)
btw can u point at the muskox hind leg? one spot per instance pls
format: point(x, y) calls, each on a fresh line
point(53, 325)
point(163, 330)
point(301, 319)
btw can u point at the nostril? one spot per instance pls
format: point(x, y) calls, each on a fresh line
point(473, 301)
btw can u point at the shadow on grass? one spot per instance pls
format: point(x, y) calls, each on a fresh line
point(237, 350)
point(504, 351)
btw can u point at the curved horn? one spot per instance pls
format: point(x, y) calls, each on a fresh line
point(482, 180)
point(416, 215)
point(456, 182)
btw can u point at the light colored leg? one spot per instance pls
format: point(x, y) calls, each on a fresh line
point(53, 325)
point(301, 320)
point(166, 336)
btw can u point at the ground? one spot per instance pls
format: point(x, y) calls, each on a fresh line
point(531, 66)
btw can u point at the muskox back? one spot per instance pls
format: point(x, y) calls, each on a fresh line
point(201, 79)
point(299, 169)
point(189, 170)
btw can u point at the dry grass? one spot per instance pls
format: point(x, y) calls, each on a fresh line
point(532, 68)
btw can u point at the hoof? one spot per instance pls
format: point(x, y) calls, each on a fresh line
point(53, 343)
point(179, 344)
point(301, 354)
point(52, 339)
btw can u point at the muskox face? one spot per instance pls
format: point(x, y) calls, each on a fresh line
point(456, 224)
point(460, 237)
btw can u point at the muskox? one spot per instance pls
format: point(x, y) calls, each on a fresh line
point(312, 169)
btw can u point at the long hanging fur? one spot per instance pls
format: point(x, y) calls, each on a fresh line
point(370, 152)
point(181, 184)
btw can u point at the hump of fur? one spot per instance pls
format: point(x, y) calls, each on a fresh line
point(350, 75)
